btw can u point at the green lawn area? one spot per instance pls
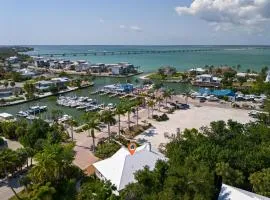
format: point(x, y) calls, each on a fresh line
point(157, 76)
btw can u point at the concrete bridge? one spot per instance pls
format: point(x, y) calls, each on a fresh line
point(110, 53)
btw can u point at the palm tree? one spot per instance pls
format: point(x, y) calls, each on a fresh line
point(30, 153)
point(92, 124)
point(166, 95)
point(71, 123)
point(128, 108)
point(120, 110)
point(150, 104)
point(107, 117)
point(138, 103)
point(159, 99)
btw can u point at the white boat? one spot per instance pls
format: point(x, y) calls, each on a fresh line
point(64, 118)
point(22, 114)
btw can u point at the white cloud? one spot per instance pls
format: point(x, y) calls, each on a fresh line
point(122, 26)
point(248, 15)
point(135, 28)
point(101, 20)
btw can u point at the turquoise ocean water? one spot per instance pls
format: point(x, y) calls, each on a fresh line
point(249, 57)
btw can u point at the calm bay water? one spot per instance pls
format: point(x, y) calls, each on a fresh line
point(249, 57)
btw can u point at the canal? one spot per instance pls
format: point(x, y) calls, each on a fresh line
point(50, 102)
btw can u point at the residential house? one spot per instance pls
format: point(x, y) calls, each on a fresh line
point(12, 60)
point(121, 68)
point(26, 73)
point(207, 80)
point(120, 168)
point(228, 192)
point(60, 83)
point(197, 71)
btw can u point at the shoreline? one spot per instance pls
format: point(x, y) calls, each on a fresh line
point(45, 96)
point(145, 77)
point(72, 72)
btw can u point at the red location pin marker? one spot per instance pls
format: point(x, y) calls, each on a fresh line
point(132, 148)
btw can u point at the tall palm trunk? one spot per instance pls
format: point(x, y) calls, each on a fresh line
point(93, 138)
point(129, 120)
point(137, 113)
point(71, 129)
point(119, 125)
point(109, 132)
point(15, 193)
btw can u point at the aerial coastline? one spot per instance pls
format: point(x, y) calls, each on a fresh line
point(123, 104)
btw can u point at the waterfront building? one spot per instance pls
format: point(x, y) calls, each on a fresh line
point(9, 91)
point(26, 73)
point(82, 65)
point(197, 71)
point(207, 80)
point(243, 74)
point(120, 168)
point(60, 83)
point(12, 59)
point(119, 88)
point(44, 85)
point(42, 63)
point(121, 68)
point(267, 79)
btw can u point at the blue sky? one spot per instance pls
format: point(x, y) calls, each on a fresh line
point(134, 22)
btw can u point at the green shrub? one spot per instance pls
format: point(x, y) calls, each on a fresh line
point(160, 118)
point(106, 149)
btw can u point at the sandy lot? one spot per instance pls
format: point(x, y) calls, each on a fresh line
point(195, 117)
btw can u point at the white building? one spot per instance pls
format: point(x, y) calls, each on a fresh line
point(116, 69)
point(83, 65)
point(121, 68)
point(197, 70)
point(268, 77)
point(13, 59)
point(228, 192)
point(207, 78)
point(26, 73)
point(120, 168)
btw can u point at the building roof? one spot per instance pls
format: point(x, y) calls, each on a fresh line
point(120, 168)
point(60, 79)
point(241, 74)
point(228, 192)
point(197, 70)
point(205, 76)
point(44, 82)
point(5, 115)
